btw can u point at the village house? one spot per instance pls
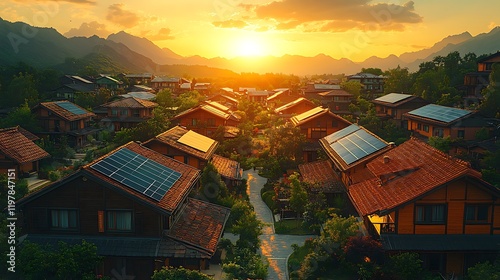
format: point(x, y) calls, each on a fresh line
point(475, 82)
point(311, 90)
point(441, 121)
point(394, 105)
point(373, 85)
point(279, 97)
point(108, 82)
point(296, 107)
point(63, 118)
point(258, 96)
point(72, 85)
point(205, 119)
point(228, 101)
point(139, 78)
point(161, 83)
point(350, 149)
point(417, 199)
point(133, 205)
point(19, 152)
point(320, 178)
point(125, 113)
point(337, 100)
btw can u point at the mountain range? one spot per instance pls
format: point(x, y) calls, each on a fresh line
point(123, 52)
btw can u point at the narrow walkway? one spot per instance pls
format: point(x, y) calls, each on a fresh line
point(275, 247)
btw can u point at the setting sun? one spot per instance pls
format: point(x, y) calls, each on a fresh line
point(249, 47)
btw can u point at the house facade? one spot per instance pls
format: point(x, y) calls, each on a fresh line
point(126, 112)
point(318, 123)
point(160, 83)
point(63, 118)
point(475, 82)
point(336, 100)
point(373, 85)
point(137, 223)
point(418, 199)
point(395, 105)
point(108, 82)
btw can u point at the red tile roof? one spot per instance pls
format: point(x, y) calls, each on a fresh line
point(14, 145)
point(63, 113)
point(171, 137)
point(227, 167)
point(175, 195)
point(404, 174)
point(321, 177)
point(200, 224)
point(130, 102)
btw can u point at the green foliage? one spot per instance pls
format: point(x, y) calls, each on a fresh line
point(365, 254)
point(165, 99)
point(245, 264)
point(90, 100)
point(440, 143)
point(374, 71)
point(213, 188)
point(62, 262)
point(248, 227)
point(54, 175)
point(482, 134)
point(353, 87)
point(145, 130)
point(298, 195)
point(404, 266)
point(338, 230)
point(21, 116)
point(491, 104)
point(398, 80)
point(285, 142)
point(484, 271)
point(239, 209)
point(189, 100)
point(172, 273)
point(22, 88)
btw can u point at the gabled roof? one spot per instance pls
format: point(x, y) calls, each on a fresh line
point(217, 105)
point(335, 92)
point(16, 146)
point(321, 177)
point(171, 138)
point(165, 80)
point(275, 95)
point(365, 75)
point(200, 224)
point(227, 168)
point(406, 173)
point(292, 104)
point(210, 110)
point(352, 145)
point(143, 95)
point(312, 114)
point(440, 114)
point(175, 194)
point(228, 98)
point(130, 102)
point(494, 55)
point(66, 110)
point(110, 79)
point(396, 99)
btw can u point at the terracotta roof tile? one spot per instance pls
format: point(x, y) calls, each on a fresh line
point(174, 196)
point(321, 177)
point(130, 102)
point(200, 224)
point(404, 174)
point(27, 134)
point(171, 137)
point(55, 108)
point(14, 145)
point(227, 167)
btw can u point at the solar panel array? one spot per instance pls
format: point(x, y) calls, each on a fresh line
point(393, 97)
point(197, 141)
point(354, 143)
point(68, 106)
point(309, 114)
point(440, 113)
point(215, 111)
point(218, 106)
point(138, 173)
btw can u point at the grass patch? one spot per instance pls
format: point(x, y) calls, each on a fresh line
point(293, 227)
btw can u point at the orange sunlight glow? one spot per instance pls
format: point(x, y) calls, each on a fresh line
point(249, 47)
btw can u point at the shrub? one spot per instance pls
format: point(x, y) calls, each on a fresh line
point(54, 176)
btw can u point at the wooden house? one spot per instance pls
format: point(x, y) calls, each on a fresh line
point(19, 152)
point(475, 82)
point(71, 86)
point(133, 205)
point(318, 123)
point(161, 83)
point(350, 149)
point(126, 112)
point(337, 100)
point(139, 78)
point(394, 105)
point(108, 82)
point(373, 85)
point(296, 107)
point(311, 90)
point(205, 119)
point(226, 100)
point(229, 170)
point(441, 121)
point(320, 178)
point(418, 199)
point(63, 118)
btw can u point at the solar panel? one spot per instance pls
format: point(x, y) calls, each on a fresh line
point(215, 111)
point(138, 173)
point(309, 113)
point(219, 106)
point(354, 143)
point(68, 106)
point(393, 97)
point(440, 113)
point(197, 141)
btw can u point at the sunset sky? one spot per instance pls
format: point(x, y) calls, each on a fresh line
point(354, 29)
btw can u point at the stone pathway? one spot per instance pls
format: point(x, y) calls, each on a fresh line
point(275, 247)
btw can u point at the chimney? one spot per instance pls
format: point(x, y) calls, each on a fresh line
point(387, 159)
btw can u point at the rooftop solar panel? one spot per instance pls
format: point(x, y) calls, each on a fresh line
point(218, 106)
point(215, 111)
point(309, 113)
point(440, 113)
point(393, 97)
point(68, 106)
point(138, 173)
point(341, 133)
point(197, 141)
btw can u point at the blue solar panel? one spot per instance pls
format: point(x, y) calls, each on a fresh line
point(138, 173)
point(354, 143)
point(440, 113)
point(68, 106)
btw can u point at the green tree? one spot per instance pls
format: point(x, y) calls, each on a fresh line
point(22, 88)
point(248, 227)
point(189, 100)
point(440, 143)
point(245, 264)
point(398, 80)
point(484, 271)
point(213, 188)
point(21, 116)
point(298, 195)
point(353, 87)
point(491, 104)
point(404, 266)
point(374, 71)
point(172, 273)
point(286, 141)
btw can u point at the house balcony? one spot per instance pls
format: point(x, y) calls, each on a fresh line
point(385, 228)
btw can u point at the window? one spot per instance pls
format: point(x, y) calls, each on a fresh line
point(461, 134)
point(194, 121)
point(430, 214)
point(419, 126)
point(119, 220)
point(211, 122)
point(476, 214)
point(63, 219)
point(73, 125)
point(426, 128)
point(114, 112)
point(438, 132)
point(136, 113)
point(124, 112)
point(317, 133)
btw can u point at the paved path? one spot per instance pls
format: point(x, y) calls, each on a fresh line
point(275, 247)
